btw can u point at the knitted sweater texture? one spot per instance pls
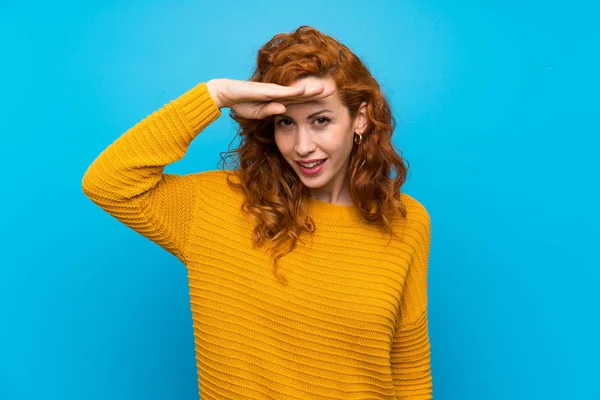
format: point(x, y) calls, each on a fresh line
point(350, 324)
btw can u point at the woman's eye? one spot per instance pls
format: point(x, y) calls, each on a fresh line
point(318, 121)
point(283, 122)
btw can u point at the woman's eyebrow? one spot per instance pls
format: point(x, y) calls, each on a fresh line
point(309, 117)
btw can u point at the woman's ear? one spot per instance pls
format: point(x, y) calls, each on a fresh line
point(360, 122)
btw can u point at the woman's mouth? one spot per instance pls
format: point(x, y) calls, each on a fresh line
point(312, 168)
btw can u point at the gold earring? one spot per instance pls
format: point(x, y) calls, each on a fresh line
point(359, 140)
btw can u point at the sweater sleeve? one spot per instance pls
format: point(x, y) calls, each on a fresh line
point(127, 180)
point(410, 352)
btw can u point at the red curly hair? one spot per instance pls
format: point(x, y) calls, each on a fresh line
point(274, 195)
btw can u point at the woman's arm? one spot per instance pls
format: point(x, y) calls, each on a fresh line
point(410, 353)
point(127, 180)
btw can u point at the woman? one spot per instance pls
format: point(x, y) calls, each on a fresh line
point(345, 314)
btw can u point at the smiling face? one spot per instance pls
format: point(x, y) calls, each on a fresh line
point(317, 130)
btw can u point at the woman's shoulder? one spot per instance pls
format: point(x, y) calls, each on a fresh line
point(417, 214)
point(415, 206)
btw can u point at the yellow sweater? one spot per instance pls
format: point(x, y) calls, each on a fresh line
point(350, 324)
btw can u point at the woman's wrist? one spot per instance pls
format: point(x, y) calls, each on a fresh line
point(213, 87)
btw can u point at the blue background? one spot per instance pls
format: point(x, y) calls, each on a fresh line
point(497, 106)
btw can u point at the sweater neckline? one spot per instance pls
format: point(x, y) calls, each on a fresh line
point(321, 209)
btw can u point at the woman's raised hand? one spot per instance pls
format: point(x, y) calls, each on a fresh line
point(257, 100)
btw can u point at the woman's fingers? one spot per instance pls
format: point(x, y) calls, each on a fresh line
point(260, 91)
point(259, 99)
point(326, 92)
point(279, 92)
point(272, 108)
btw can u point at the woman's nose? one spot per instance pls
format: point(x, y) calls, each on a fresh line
point(304, 141)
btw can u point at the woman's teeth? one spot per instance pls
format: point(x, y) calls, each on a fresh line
point(312, 164)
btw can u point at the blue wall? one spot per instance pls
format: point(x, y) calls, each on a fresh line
point(497, 106)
